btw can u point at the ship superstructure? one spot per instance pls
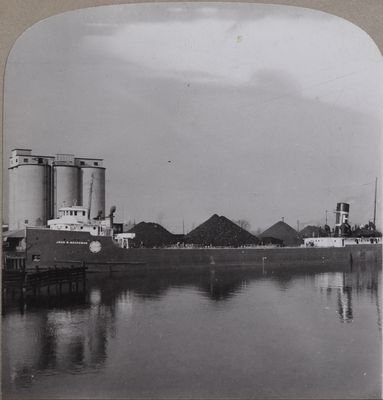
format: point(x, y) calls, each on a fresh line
point(75, 218)
point(343, 235)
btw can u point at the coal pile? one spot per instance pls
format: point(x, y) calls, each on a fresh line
point(284, 232)
point(365, 232)
point(270, 241)
point(150, 234)
point(219, 231)
point(313, 231)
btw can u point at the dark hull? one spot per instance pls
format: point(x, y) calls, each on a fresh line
point(47, 248)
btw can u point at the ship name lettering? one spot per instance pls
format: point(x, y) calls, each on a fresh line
point(70, 242)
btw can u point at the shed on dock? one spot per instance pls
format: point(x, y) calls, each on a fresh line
point(14, 240)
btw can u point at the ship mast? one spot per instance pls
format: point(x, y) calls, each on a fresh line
point(376, 185)
point(90, 195)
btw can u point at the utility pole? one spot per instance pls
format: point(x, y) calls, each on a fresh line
point(326, 217)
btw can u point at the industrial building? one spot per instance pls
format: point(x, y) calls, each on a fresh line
point(40, 185)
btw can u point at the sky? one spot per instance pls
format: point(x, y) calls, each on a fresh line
point(251, 111)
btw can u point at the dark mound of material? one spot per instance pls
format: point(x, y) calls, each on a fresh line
point(220, 231)
point(150, 234)
point(284, 232)
point(267, 241)
point(365, 232)
point(312, 231)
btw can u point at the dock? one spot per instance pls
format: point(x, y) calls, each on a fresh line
point(53, 281)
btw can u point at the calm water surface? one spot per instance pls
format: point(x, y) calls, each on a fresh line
point(211, 334)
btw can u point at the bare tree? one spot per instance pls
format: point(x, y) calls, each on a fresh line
point(257, 232)
point(128, 225)
point(244, 224)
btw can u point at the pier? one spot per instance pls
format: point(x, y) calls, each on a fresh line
point(21, 283)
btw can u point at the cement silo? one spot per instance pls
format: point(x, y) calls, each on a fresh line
point(29, 189)
point(93, 185)
point(40, 185)
point(66, 182)
point(12, 224)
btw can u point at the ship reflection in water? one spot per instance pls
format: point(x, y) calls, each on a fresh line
point(214, 333)
point(345, 285)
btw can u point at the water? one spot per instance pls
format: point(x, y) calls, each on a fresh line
point(212, 334)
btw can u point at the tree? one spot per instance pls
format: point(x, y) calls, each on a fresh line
point(244, 224)
point(128, 225)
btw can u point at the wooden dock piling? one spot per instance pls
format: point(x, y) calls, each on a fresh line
point(40, 281)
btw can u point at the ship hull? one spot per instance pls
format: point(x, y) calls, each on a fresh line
point(48, 248)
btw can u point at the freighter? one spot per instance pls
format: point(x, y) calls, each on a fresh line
point(38, 185)
point(74, 238)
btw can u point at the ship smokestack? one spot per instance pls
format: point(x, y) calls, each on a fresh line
point(341, 216)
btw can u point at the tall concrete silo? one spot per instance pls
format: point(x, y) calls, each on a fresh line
point(12, 176)
point(93, 185)
point(30, 201)
point(67, 189)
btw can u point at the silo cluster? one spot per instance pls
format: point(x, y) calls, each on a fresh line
point(40, 185)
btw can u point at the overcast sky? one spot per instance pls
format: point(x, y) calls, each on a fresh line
point(250, 111)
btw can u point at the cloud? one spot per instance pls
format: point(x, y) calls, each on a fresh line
point(320, 54)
